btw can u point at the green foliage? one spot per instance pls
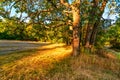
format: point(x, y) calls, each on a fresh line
point(109, 36)
point(114, 36)
point(47, 21)
point(9, 29)
point(101, 39)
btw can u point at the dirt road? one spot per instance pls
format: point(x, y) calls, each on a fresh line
point(8, 46)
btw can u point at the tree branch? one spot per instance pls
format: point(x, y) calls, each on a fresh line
point(64, 3)
point(103, 5)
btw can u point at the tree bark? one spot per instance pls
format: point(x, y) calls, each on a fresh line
point(88, 35)
point(90, 25)
point(76, 31)
point(94, 33)
point(96, 24)
point(93, 25)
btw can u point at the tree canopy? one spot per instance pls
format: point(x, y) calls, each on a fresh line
point(76, 22)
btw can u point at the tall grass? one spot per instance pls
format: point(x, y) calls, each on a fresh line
point(57, 64)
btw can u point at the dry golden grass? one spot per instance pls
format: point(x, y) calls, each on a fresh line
point(54, 62)
point(87, 67)
point(34, 66)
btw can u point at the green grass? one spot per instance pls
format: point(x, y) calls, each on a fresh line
point(118, 55)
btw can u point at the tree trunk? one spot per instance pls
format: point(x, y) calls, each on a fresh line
point(93, 23)
point(76, 32)
point(88, 35)
point(94, 33)
point(76, 25)
point(96, 24)
point(90, 25)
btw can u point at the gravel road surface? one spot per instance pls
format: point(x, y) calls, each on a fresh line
point(8, 46)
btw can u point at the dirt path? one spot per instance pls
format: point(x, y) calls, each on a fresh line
point(8, 46)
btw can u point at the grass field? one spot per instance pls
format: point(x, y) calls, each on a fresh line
point(56, 63)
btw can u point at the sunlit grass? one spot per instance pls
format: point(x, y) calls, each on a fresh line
point(53, 62)
point(31, 64)
point(86, 67)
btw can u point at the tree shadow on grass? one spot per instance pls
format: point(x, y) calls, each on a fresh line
point(17, 54)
